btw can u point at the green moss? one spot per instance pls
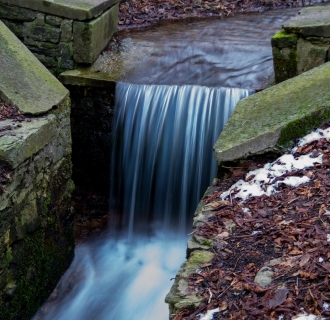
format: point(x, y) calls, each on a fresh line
point(299, 127)
point(71, 187)
point(36, 266)
point(9, 256)
point(207, 243)
point(285, 65)
point(199, 257)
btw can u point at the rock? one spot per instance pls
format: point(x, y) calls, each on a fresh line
point(264, 277)
point(284, 46)
point(271, 119)
point(313, 21)
point(72, 9)
point(90, 38)
point(310, 55)
point(24, 81)
point(29, 139)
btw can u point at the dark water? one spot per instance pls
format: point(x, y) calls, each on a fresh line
point(219, 52)
point(162, 161)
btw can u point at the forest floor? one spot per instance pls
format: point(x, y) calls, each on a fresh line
point(136, 13)
point(282, 237)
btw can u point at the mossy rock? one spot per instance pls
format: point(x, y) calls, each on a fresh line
point(271, 119)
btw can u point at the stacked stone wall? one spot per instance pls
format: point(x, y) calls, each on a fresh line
point(303, 44)
point(57, 41)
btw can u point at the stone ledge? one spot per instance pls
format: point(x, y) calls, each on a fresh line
point(271, 119)
point(21, 143)
point(89, 78)
point(72, 9)
point(90, 38)
point(313, 21)
point(24, 81)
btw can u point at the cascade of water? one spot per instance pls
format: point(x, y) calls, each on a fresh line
point(162, 151)
point(162, 163)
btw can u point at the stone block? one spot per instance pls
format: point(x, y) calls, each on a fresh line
point(72, 9)
point(44, 33)
point(54, 20)
point(24, 81)
point(49, 62)
point(16, 13)
point(15, 27)
point(284, 48)
point(67, 62)
point(66, 28)
point(310, 55)
point(271, 119)
point(90, 38)
point(21, 143)
point(313, 21)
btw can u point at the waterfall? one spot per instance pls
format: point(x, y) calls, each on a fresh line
point(162, 163)
point(162, 152)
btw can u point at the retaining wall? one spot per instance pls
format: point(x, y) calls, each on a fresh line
point(302, 44)
point(62, 34)
point(36, 222)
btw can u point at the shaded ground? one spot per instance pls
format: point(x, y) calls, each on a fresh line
point(133, 13)
point(287, 232)
point(12, 113)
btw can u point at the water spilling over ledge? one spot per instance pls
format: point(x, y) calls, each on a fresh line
point(161, 165)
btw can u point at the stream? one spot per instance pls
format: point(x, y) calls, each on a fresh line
point(170, 109)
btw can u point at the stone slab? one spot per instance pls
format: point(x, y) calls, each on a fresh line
point(88, 78)
point(24, 81)
point(313, 21)
point(271, 119)
point(72, 9)
point(90, 38)
point(20, 143)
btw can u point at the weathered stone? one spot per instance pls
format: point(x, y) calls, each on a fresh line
point(72, 9)
point(271, 119)
point(86, 77)
point(44, 33)
point(16, 28)
point(310, 55)
point(28, 139)
point(48, 62)
point(179, 297)
point(66, 27)
point(67, 57)
point(45, 48)
point(264, 277)
point(54, 20)
point(24, 81)
point(284, 48)
point(90, 38)
point(16, 13)
point(313, 21)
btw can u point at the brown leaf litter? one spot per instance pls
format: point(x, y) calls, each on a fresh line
point(286, 234)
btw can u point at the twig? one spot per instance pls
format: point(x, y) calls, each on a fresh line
point(238, 260)
point(223, 292)
point(211, 295)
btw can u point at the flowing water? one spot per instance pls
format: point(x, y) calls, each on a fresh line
point(162, 163)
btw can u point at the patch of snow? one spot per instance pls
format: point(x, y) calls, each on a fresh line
point(305, 316)
point(321, 259)
point(262, 182)
point(326, 306)
point(209, 314)
point(294, 181)
point(255, 232)
point(315, 135)
point(328, 237)
point(281, 317)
